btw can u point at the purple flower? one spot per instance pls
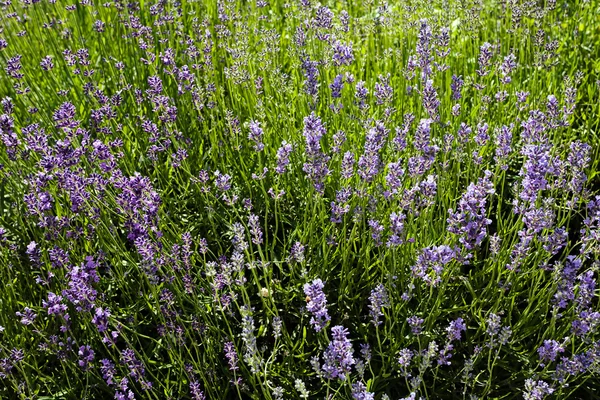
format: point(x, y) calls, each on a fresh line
point(311, 73)
point(338, 357)
point(509, 64)
point(64, 116)
point(86, 357)
point(503, 145)
point(222, 181)
point(397, 229)
point(455, 328)
point(549, 350)
point(283, 157)
point(430, 264)
point(336, 86)
point(297, 252)
point(359, 392)
point(107, 368)
point(195, 391)
point(316, 166)
point(342, 53)
point(536, 390)
point(456, 86)
point(369, 163)
point(376, 230)
point(255, 230)
point(394, 176)
point(485, 57)
point(80, 291)
point(54, 304)
point(383, 91)
point(566, 285)
point(231, 355)
point(317, 304)
point(415, 324)
point(323, 18)
point(100, 319)
point(27, 316)
point(361, 94)
point(135, 366)
point(399, 140)
point(423, 49)
point(378, 299)
point(13, 67)
point(469, 221)
point(482, 134)
point(422, 136)
point(347, 165)
point(431, 103)
point(577, 160)
point(256, 134)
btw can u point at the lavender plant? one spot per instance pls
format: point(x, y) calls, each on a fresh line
point(299, 199)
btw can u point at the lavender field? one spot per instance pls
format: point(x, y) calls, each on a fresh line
point(294, 199)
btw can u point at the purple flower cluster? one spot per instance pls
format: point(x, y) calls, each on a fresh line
point(430, 264)
point(316, 165)
point(317, 304)
point(338, 357)
point(469, 221)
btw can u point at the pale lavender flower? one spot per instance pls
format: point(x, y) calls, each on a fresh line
point(423, 49)
point(317, 304)
point(338, 357)
point(397, 229)
point(503, 145)
point(378, 299)
point(195, 391)
point(231, 355)
point(431, 103)
point(283, 157)
point(485, 57)
point(470, 221)
point(256, 135)
point(347, 165)
point(404, 358)
point(359, 392)
point(316, 166)
point(251, 354)
point(509, 64)
point(415, 324)
point(549, 350)
point(456, 86)
point(430, 264)
point(339, 138)
point(455, 328)
point(297, 252)
point(311, 73)
point(27, 316)
point(361, 93)
point(255, 229)
point(536, 390)
point(383, 91)
point(376, 231)
point(342, 53)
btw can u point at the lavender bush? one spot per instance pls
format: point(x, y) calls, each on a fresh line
point(298, 199)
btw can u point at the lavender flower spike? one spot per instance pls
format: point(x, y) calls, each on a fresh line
point(317, 304)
